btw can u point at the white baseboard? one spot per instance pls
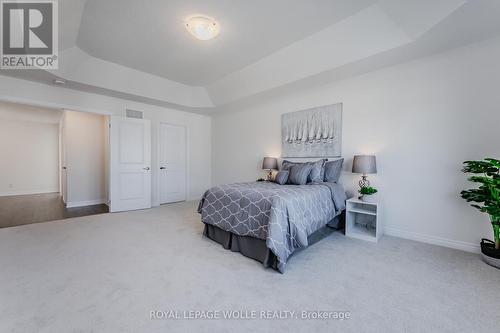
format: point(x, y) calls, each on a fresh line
point(24, 192)
point(454, 244)
point(85, 203)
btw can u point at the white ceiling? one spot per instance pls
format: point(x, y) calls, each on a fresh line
point(70, 16)
point(150, 35)
point(140, 50)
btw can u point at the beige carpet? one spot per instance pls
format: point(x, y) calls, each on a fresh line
point(106, 273)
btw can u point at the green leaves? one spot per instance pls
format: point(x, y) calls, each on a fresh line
point(367, 190)
point(485, 198)
point(489, 166)
point(494, 162)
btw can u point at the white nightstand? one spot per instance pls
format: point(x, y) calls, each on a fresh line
point(363, 220)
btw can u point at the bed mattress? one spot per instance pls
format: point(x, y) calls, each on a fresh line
point(283, 216)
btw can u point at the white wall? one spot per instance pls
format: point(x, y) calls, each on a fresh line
point(29, 150)
point(198, 126)
point(84, 137)
point(421, 119)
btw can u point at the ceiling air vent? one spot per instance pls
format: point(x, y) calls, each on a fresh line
point(134, 114)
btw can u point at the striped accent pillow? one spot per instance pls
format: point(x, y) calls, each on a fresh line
point(299, 174)
point(317, 172)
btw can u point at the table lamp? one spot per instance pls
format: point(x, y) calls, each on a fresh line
point(270, 164)
point(364, 164)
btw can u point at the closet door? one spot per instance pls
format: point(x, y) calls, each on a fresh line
point(130, 164)
point(63, 163)
point(172, 158)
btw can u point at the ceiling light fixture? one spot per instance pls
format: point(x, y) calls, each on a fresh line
point(202, 27)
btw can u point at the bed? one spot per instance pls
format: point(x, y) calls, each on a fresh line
point(269, 222)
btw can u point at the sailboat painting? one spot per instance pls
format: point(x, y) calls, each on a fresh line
point(315, 132)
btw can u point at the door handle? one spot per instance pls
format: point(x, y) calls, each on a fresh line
point(146, 168)
point(163, 168)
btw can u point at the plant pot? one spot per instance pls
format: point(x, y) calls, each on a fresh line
point(489, 254)
point(368, 198)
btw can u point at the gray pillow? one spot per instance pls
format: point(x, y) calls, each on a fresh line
point(318, 171)
point(281, 177)
point(333, 170)
point(299, 173)
point(286, 165)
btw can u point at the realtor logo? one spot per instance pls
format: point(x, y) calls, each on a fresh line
point(29, 37)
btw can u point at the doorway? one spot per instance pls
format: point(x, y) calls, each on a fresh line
point(84, 149)
point(53, 164)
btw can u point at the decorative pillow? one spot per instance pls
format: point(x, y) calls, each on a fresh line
point(281, 177)
point(286, 165)
point(333, 170)
point(318, 171)
point(299, 173)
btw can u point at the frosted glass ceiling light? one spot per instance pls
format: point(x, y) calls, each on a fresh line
point(202, 27)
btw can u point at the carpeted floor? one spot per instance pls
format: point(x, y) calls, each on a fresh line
point(106, 273)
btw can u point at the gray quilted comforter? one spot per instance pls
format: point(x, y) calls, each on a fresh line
point(282, 215)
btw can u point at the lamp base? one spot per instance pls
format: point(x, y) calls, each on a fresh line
point(270, 176)
point(364, 182)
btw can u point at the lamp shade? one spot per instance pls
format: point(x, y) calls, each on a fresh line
point(270, 163)
point(364, 164)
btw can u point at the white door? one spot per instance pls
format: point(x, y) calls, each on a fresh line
point(130, 164)
point(64, 170)
point(172, 143)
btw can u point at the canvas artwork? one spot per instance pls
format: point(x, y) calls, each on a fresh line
point(315, 132)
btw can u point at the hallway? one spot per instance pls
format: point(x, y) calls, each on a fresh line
point(27, 209)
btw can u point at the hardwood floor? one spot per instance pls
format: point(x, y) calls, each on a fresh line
point(26, 209)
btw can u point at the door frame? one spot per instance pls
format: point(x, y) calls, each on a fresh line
point(157, 162)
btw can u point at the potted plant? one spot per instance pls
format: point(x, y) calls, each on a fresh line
point(486, 198)
point(367, 193)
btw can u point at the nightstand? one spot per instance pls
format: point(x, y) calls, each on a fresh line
point(363, 220)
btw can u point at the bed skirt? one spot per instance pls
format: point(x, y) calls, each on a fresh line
point(256, 248)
